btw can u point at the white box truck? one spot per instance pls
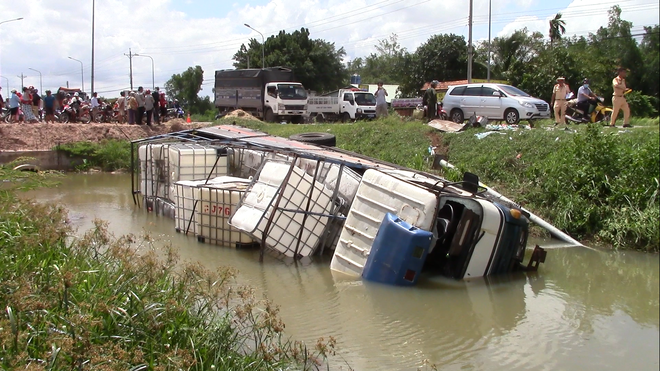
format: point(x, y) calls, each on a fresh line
point(270, 94)
point(342, 105)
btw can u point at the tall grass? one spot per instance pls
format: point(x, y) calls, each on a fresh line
point(105, 303)
point(108, 155)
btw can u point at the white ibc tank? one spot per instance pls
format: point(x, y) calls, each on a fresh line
point(184, 201)
point(377, 195)
point(154, 170)
point(195, 161)
point(289, 231)
point(217, 202)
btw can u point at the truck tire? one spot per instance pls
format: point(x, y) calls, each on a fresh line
point(323, 139)
point(269, 116)
point(345, 117)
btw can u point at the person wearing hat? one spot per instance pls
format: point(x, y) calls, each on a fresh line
point(619, 102)
point(430, 101)
point(381, 103)
point(585, 97)
point(558, 101)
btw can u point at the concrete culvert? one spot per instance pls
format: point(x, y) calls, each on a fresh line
point(27, 167)
point(323, 139)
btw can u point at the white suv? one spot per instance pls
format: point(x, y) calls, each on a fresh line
point(495, 101)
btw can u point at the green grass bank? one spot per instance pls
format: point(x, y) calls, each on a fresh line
point(103, 303)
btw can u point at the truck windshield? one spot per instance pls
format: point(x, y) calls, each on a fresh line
point(365, 99)
point(288, 91)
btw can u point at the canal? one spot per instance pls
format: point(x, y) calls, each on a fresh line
point(583, 310)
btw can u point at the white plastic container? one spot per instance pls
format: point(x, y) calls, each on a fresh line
point(377, 195)
point(154, 170)
point(217, 202)
point(195, 162)
point(291, 231)
point(185, 207)
point(245, 163)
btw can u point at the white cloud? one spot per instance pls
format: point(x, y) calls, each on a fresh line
point(51, 32)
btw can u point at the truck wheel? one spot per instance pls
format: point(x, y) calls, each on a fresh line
point(297, 120)
point(323, 139)
point(345, 117)
point(269, 116)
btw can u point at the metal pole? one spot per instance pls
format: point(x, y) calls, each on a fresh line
point(263, 43)
point(130, 65)
point(153, 80)
point(41, 85)
point(82, 76)
point(22, 77)
point(469, 67)
point(489, 14)
point(93, 6)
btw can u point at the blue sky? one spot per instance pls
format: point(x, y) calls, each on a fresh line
point(178, 34)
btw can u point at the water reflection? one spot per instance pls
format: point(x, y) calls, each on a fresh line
point(583, 310)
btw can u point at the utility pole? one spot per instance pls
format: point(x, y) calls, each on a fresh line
point(93, 3)
point(22, 77)
point(130, 63)
point(469, 66)
point(489, 13)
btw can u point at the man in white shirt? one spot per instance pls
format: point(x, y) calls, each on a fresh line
point(95, 105)
point(381, 103)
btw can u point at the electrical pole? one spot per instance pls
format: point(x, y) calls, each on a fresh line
point(93, 3)
point(130, 63)
point(469, 66)
point(489, 13)
point(22, 77)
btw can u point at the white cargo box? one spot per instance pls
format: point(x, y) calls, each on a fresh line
point(246, 162)
point(377, 195)
point(290, 229)
point(217, 202)
point(154, 170)
point(195, 162)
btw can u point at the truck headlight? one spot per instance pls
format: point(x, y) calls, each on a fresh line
point(280, 107)
point(359, 110)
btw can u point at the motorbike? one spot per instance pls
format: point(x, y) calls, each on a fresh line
point(69, 114)
point(599, 113)
point(175, 113)
point(442, 114)
point(106, 113)
point(7, 118)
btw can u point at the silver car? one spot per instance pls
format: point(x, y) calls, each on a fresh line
point(495, 101)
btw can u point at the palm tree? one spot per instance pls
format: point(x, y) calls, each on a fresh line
point(557, 28)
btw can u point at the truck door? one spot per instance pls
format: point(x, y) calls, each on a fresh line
point(348, 105)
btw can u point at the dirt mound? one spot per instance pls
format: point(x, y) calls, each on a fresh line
point(239, 113)
point(44, 136)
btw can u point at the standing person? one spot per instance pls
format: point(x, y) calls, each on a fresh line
point(132, 108)
point(121, 107)
point(619, 102)
point(140, 101)
point(2, 100)
point(163, 107)
point(49, 106)
point(430, 101)
point(381, 103)
point(558, 101)
point(26, 106)
point(95, 106)
point(148, 106)
point(156, 97)
point(36, 102)
point(14, 103)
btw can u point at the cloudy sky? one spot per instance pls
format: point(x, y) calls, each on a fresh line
point(178, 34)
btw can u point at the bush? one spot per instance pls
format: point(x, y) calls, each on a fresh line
point(109, 154)
point(642, 105)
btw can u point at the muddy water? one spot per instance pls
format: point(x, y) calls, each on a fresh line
point(584, 310)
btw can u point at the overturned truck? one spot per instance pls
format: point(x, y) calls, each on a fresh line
point(236, 187)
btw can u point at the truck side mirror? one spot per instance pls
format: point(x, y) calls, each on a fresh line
point(497, 94)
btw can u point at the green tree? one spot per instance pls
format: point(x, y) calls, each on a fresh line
point(315, 62)
point(387, 64)
point(441, 57)
point(512, 54)
point(557, 28)
point(650, 50)
point(185, 87)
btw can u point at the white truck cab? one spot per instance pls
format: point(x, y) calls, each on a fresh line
point(284, 100)
point(343, 105)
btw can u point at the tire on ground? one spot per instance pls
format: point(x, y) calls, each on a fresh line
point(323, 139)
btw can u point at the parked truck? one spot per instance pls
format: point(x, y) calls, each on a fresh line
point(270, 94)
point(342, 105)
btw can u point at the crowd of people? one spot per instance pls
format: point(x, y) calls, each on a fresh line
point(132, 107)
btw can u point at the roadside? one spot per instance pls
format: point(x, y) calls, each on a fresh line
point(44, 136)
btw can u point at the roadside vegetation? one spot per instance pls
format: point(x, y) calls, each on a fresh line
point(107, 155)
point(596, 183)
point(103, 303)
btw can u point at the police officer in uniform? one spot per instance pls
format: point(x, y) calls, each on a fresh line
point(558, 101)
point(619, 102)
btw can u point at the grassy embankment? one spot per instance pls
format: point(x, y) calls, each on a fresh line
point(596, 184)
point(593, 182)
point(105, 303)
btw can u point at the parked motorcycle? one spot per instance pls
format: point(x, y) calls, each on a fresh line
point(69, 114)
point(599, 113)
point(175, 113)
point(442, 114)
point(106, 113)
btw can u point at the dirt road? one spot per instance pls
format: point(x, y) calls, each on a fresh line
point(42, 136)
